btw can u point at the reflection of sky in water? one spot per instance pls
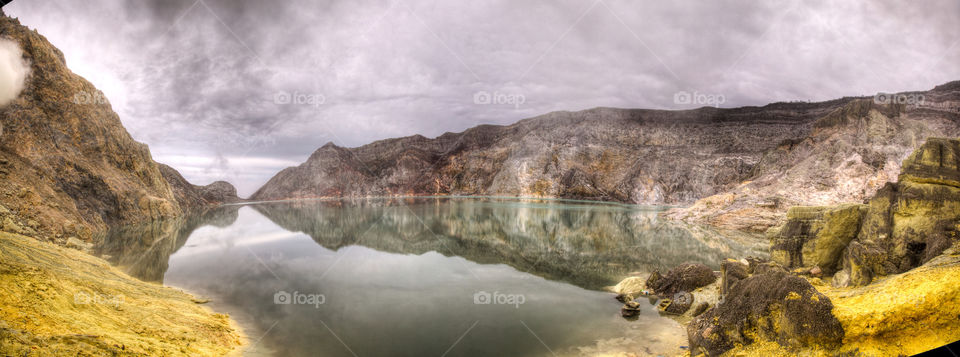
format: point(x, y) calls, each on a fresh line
point(399, 278)
point(386, 304)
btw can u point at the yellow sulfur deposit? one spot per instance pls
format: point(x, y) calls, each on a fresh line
point(56, 301)
point(901, 314)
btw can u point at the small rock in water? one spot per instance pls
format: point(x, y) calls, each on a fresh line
point(630, 310)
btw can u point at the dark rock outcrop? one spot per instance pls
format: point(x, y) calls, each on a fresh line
point(684, 278)
point(677, 305)
point(771, 305)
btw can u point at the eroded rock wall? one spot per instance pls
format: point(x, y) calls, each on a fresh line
point(904, 225)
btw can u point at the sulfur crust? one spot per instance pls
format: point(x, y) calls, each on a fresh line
point(902, 314)
point(40, 313)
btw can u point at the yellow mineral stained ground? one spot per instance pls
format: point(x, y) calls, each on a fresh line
point(56, 302)
point(902, 314)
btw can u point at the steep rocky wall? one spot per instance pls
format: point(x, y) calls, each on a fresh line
point(636, 156)
point(904, 225)
point(68, 166)
point(846, 158)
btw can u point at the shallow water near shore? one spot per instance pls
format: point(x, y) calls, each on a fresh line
point(425, 276)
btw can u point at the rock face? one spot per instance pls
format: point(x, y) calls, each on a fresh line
point(191, 197)
point(68, 166)
point(746, 166)
point(846, 156)
point(771, 305)
point(903, 226)
point(637, 156)
point(815, 236)
point(910, 222)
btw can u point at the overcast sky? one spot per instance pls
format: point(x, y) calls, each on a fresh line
point(237, 90)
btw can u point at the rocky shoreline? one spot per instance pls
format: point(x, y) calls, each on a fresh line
point(850, 279)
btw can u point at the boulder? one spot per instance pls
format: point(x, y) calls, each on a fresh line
point(630, 310)
point(861, 263)
point(773, 305)
point(734, 270)
point(701, 308)
point(685, 277)
point(815, 236)
point(678, 305)
point(630, 288)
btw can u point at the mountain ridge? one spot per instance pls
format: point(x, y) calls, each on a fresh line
point(642, 156)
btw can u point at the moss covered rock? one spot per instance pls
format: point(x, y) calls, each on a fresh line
point(685, 277)
point(772, 305)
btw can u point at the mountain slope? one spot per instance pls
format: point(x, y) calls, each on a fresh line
point(68, 166)
point(637, 156)
point(746, 164)
point(846, 157)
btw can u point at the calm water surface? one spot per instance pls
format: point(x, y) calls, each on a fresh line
point(425, 276)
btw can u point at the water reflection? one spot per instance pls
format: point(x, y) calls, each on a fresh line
point(143, 250)
point(408, 278)
point(589, 245)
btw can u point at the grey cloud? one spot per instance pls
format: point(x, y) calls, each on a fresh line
point(200, 86)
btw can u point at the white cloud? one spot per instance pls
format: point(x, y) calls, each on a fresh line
point(13, 71)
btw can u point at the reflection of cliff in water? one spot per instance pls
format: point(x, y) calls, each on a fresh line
point(585, 244)
point(143, 250)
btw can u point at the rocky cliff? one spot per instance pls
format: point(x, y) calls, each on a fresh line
point(846, 156)
point(68, 166)
point(637, 156)
point(746, 166)
point(905, 225)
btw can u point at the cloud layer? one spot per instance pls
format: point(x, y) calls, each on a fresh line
point(236, 90)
